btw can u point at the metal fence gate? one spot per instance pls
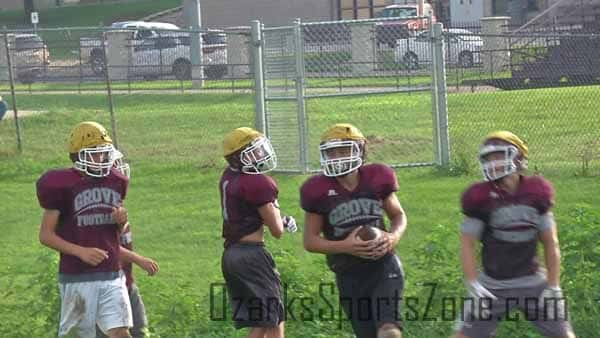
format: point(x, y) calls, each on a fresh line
point(312, 75)
point(283, 114)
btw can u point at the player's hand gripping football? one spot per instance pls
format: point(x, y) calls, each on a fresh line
point(92, 256)
point(356, 246)
point(119, 215)
point(289, 224)
point(387, 243)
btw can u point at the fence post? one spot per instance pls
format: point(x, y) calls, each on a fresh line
point(495, 49)
point(237, 50)
point(434, 100)
point(11, 79)
point(193, 20)
point(440, 97)
point(111, 105)
point(303, 132)
point(259, 80)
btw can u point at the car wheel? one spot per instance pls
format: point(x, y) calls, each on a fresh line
point(97, 63)
point(465, 59)
point(411, 60)
point(28, 77)
point(215, 72)
point(152, 77)
point(182, 69)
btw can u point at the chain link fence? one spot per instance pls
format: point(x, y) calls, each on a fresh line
point(317, 74)
point(540, 84)
point(378, 74)
point(102, 65)
point(148, 58)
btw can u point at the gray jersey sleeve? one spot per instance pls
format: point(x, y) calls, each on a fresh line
point(546, 222)
point(472, 226)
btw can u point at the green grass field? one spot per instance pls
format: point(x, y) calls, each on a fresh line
point(173, 142)
point(333, 84)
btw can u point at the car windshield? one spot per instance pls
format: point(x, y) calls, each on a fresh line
point(464, 35)
point(29, 42)
point(400, 12)
point(424, 36)
point(214, 38)
point(209, 39)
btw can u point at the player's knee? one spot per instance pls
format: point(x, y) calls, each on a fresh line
point(257, 332)
point(460, 335)
point(137, 332)
point(275, 332)
point(389, 330)
point(119, 332)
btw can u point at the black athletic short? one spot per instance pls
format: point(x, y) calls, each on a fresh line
point(253, 285)
point(371, 297)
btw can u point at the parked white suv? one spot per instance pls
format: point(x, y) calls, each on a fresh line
point(462, 48)
point(161, 49)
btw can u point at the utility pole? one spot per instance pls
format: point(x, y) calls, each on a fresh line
point(193, 22)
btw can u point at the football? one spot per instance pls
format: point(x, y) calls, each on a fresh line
point(368, 233)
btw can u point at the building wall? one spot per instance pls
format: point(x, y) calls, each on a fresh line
point(227, 13)
point(360, 9)
point(463, 11)
point(39, 4)
point(11, 4)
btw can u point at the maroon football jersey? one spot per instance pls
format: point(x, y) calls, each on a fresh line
point(241, 196)
point(127, 242)
point(510, 224)
point(85, 204)
point(344, 210)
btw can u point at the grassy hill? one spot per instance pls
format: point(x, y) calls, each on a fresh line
point(89, 14)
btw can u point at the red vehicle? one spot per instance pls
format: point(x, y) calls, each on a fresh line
point(411, 18)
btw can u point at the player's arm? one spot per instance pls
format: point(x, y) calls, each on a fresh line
point(49, 238)
point(475, 289)
point(551, 299)
point(314, 242)
point(549, 239)
point(272, 219)
point(119, 215)
point(467, 256)
point(398, 222)
point(471, 230)
point(397, 216)
point(147, 264)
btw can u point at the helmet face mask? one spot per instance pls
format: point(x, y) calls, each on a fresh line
point(501, 154)
point(258, 156)
point(249, 151)
point(121, 165)
point(340, 157)
point(499, 158)
point(91, 149)
point(498, 161)
point(96, 161)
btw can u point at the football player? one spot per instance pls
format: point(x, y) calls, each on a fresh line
point(249, 200)
point(509, 213)
point(82, 219)
point(338, 203)
point(128, 256)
